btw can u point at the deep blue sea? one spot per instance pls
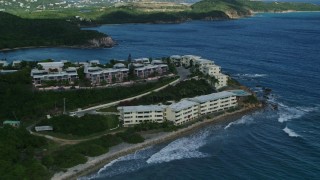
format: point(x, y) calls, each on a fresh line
point(279, 51)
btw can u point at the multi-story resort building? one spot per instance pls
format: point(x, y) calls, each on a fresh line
point(182, 112)
point(142, 61)
point(215, 102)
point(149, 70)
point(53, 71)
point(132, 115)
point(51, 66)
point(98, 75)
point(204, 65)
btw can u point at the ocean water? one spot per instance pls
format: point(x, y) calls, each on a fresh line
point(279, 51)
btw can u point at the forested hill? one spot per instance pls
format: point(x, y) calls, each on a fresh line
point(246, 5)
point(19, 32)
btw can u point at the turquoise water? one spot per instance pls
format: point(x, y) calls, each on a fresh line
point(279, 51)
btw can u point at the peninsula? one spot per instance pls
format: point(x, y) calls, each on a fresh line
point(91, 118)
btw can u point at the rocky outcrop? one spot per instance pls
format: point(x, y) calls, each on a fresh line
point(234, 14)
point(104, 42)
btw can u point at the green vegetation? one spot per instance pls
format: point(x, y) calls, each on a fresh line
point(18, 32)
point(77, 154)
point(19, 154)
point(146, 126)
point(243, 7)
point(251, 100)
point(278, 6)
point(109, 109)
point(184, 89)
point(135, 16)
point(20, 98)
point(81, 126)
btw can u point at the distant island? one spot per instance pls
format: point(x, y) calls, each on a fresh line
point(60, 26)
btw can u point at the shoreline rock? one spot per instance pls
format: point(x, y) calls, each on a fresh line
point(104, 42)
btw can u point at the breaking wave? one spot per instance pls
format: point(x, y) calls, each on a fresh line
point(123, 164)
point(287, 113)
point(246, 119)
point(183, 148)
point(250, 75)
point(290, 132)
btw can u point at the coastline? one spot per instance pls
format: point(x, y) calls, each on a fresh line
point(253, 13)
point(95, 163)
point(65, 47)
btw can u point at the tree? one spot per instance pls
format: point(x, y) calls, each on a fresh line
point(39, 67)
point(129, 58)
point(131, 74)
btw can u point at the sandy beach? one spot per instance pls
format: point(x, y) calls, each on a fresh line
point(95, 163)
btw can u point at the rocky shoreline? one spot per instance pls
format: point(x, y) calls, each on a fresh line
point(104, 42)
point(96, 163)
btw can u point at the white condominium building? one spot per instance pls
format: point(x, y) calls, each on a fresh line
point(39, 76)
point(202, 63)
point(141, 61)
point(146, 71)
point(223, 80)
point(187, 59)
point(215, 102)
point(182, 112)
point(99, 75)
point(52, 66)
point(215, 71)
point(211, 70)
point(132, 115)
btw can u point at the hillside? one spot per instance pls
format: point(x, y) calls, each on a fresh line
point(19, 32)
point(245, 6)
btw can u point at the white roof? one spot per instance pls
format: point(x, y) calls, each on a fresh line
point(150, 67)
point(200, 61)
point(51, 64)
point(95, 61)
point(212, 66)
point(37, 71)
point(211, 97)
point(141, 59)
point(182, 105)
point(141, 108)
point(71, 69)
point(109, 70)
point(16, 62)
point(137, 65)
point(191, 56)
point(156, 62)
point(175, 57)
point(4, 63)
point(119, 65)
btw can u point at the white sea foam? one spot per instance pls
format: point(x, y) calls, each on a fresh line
point(287, 113)
point(109, 171)
point(246, 119)
point(251, 75)
point(290, 132)
point(187, 147)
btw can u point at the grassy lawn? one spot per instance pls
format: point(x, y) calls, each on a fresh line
point(68, 127)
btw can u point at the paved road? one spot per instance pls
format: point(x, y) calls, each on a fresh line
point(183, 72)
point(94, 108)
